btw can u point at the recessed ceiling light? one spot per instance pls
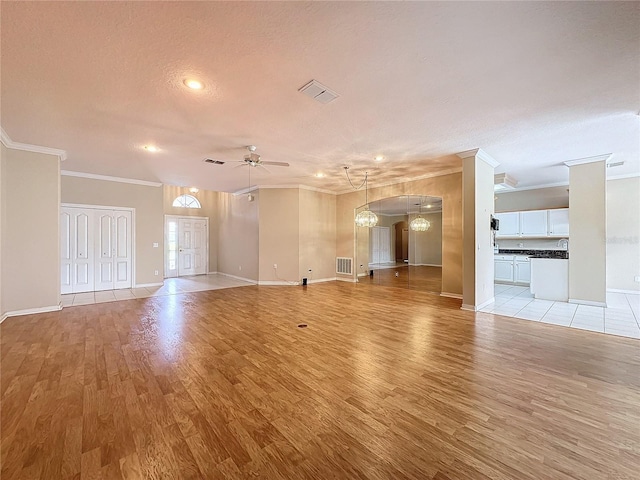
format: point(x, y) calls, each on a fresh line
point(319, 175)
point(379, 158)
point(193, 84)
point(151, 148)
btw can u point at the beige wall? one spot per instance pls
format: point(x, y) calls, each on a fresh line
point(427, 246)
point(623, 233)
point(30, 265)
point(238, 235)
point(317, 235)
point(536, 199)
point(149, 220)
point(449, 187)
point(587, 227)
point(209, 202)
point(279, 234)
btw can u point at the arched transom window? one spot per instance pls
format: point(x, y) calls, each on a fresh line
point(186, 201)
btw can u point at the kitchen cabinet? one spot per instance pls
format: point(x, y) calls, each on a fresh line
point(550, 279)
point(522, 270)
point(533, 223)
point(559, 222)
point(509, 224)
point(503, 268)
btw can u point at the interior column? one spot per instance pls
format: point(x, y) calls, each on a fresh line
point(477, 208)
point(587, 224)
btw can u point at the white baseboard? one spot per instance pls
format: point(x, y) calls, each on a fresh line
point(627, 292)
point(346, 279)
point(140, 285)
point(212, 273)
point(320, 280)
point(250, 280)
point(588, 302)
point(451, 295)
point(30, 311)
point(282, 283)
point(474, 308)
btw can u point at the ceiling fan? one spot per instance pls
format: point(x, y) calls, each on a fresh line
point(251, 159)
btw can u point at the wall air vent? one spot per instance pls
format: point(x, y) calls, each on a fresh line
point(344, 265)
point(615, 164)
point(215, 162)
point(319, 92)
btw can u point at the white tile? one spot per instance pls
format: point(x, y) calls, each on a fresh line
point(565, 321)
point(590, 311)
point(141, 292)
point(86, 298)
point(124, 294)
point(624, 333)
point(617, 300)
point(592, 328)
point(107, 296)
point(67, 300)
point(529, 315)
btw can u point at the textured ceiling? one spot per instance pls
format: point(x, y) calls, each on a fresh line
point(534, 84)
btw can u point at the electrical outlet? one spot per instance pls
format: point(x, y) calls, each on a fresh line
point(636, 278)
point(275, 265)
point(155, 273)
point(155, 245)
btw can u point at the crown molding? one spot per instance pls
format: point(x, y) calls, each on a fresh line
point(480, 154)
point(61, 154)
point(94, 176)
point(534, 187)
point(581, 161)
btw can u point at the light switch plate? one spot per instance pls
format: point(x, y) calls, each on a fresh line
point(155, 244)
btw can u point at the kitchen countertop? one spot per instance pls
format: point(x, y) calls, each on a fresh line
point(560, 254)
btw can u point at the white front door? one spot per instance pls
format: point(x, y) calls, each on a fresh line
point(113, 246)
point(187, 245)
point(191, 246)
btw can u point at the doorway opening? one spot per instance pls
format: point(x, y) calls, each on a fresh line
point(186, 246)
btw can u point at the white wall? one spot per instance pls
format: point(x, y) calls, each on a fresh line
point(623, 234)
point(30, 265)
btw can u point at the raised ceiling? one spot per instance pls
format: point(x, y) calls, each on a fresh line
point(532, 83)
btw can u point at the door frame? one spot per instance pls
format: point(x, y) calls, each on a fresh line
point(133, 230)
point(166, 241)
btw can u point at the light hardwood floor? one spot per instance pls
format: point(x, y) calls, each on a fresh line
point(384, 383)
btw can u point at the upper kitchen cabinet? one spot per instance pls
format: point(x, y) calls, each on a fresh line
point(509, 224)
point(559, 222)
point(533, 223)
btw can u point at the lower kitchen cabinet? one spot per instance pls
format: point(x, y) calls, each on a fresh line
point(512, 269)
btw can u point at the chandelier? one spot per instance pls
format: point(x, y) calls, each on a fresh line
point(365, 218)
point(419, 224)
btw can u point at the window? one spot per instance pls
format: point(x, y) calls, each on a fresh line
point(186, 201)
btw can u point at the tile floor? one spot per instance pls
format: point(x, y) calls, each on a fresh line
point(621, 317)
point(172, 286)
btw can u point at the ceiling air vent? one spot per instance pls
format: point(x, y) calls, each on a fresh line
point(319, 92)
point(215, 162)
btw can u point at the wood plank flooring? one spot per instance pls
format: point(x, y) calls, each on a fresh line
point(384, 383)
point(422, 278)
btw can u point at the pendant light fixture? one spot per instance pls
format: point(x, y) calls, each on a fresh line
point(420, 224)
point(365, 218)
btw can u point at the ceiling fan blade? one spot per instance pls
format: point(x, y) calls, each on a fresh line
point(277, 164)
